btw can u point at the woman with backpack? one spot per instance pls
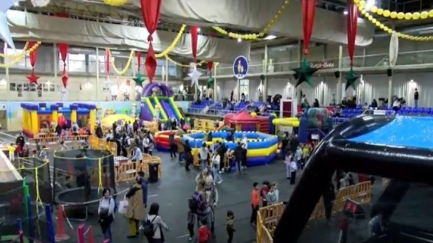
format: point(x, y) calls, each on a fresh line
point(153, 225)
point(136, 212)
point(106, 213)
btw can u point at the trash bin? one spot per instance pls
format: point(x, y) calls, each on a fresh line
point(153, 172)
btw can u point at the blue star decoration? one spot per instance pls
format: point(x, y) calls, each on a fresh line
point(138, 79)
point(351, 79)
point(304, 73)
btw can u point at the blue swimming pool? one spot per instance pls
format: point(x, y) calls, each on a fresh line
point(403, 131)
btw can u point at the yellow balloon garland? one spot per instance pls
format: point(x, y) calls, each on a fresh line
point(16, 54)
point(116, 3)
point(128, 63)
point(389, 30)
point(173, 44)
point(254, 36)
point(21, 55)
point(395, 15)
point(180, 64)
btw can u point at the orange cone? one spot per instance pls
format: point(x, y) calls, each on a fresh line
point(60, 231)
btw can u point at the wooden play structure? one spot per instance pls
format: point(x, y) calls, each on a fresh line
point(267, 218)
point(206, 125)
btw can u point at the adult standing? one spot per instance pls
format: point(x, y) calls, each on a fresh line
point(106, 213)
point(245, 147)
point(20, 142)
point(239, 154)
point(415, 97)
point(188, 155)
point(136, 211)
point(254, 203)
point(172, 145)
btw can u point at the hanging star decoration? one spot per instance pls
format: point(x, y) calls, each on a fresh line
point(33, 78)
point(194, 75)
point(138, 79)
point(304, 73)
point(209, 81)
point(351, 79)
point(5, 33)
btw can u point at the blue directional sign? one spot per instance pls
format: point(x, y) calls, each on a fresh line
point(240, 67)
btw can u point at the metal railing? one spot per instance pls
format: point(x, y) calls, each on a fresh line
point(372, 60)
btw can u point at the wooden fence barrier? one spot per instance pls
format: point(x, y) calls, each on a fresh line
point(267, 218)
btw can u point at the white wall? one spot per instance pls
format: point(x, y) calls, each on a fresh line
point(374, 86)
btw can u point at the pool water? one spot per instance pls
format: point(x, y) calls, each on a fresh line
point(403, 131)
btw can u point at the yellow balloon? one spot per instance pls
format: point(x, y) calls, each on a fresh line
point(374, 21)
point(373, 9)
point(424, 14)
point(362, 3)
point(393, 14)
point(430, 13)
point(378, 24)
point(408, 16)
point(400, 15)
point(416, 16)
point(356, 1)
point(370, 18)
point(380, 11)
point(386, 13)
point(253, 114)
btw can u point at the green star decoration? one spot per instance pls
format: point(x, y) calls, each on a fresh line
point(351, 79)
point(304, 73)
point(209, 81)
point(138, 79)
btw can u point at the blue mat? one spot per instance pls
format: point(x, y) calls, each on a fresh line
point(403, 131)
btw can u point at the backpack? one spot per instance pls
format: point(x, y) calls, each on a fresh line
point(193, 203)
point(149, 228)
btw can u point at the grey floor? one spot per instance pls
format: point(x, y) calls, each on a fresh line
point(177, 185)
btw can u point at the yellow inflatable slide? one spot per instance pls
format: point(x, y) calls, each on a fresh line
point(291, 122)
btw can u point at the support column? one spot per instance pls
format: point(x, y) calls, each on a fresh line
point(56, 60)
point(98, 91)
point(265, 72)
point(390, 88)
point(298, 89)
point(340, 64)
point(166, 71)
point(215, 86)
point(8, 121)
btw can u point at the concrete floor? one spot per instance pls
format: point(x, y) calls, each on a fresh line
point(177, 185)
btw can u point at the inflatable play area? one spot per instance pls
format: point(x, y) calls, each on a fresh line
point(315, 122)
point(158, 103)
point(262, 147)
point(38, 116)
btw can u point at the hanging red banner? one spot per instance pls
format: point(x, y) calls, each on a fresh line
point(352, 26)
point(308, 13)
point(150, 13)
point(194, 36)
point(33, 79)
point(63, 50)
point(209, 66)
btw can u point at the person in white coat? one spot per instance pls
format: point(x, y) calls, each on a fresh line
point(216, 159)
point(106, 213)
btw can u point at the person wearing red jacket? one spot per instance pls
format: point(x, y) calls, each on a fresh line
point(254, 203)
point(264, 191)
point(203, 234)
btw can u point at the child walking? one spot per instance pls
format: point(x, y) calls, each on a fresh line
point(287, 161)
point(11, 150)
point(191, 222)
point(203, 233)
point(230, 226)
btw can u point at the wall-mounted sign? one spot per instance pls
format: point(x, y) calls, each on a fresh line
point(240, 67)
point(322, 65)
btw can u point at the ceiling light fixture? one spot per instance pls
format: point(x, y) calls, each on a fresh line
point(370, 4)
point(270, 37)
point(239, 40)
point(198, 29)
point(345, 12)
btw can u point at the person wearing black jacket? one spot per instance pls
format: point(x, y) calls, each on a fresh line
point(239, 156)
point(188, 155)
point(222, 149)
point(99, 132)
point(328, 200)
